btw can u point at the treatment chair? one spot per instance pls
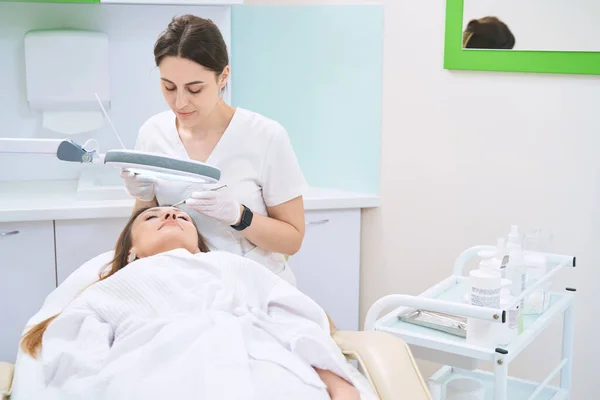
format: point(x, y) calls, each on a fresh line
point(385, 360)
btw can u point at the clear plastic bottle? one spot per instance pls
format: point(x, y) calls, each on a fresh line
point(534, 246)
point(537, 266)
point(514, 239)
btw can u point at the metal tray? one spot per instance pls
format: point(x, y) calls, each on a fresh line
point(451, 324)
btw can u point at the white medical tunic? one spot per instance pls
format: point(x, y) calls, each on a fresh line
point(258, 165)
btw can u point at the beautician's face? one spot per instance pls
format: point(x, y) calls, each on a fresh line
point(161, 229)
point(191, 90)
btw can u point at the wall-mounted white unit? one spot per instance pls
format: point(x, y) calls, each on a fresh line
point(177, 2)
point(59, 78)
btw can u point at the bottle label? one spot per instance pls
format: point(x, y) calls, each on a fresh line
point(513, 318)
point(485, 297)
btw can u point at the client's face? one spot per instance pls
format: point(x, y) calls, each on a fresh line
point(161, 229)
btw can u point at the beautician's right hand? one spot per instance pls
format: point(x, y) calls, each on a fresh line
point(141, 188)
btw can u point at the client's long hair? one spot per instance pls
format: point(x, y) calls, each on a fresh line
point(32, 340)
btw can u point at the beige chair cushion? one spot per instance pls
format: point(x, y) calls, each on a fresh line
point(6, 377)
point(387, 362)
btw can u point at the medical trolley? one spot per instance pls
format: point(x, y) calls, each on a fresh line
point(462, 359)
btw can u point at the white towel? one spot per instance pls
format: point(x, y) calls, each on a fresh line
point(182, 326)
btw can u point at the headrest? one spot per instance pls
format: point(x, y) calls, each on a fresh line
point(79, 279)
point(29, 373)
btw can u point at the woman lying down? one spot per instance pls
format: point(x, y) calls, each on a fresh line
point(170, 320)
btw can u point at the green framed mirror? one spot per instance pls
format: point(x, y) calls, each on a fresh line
point(541, 36)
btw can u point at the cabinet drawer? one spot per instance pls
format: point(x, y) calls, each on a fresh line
point(27, 276)
point(327, 267)
point(78, 241)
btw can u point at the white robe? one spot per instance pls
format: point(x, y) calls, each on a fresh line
point(182, 326)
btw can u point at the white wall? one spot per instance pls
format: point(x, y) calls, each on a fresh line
point(464, 155)
point(543, 24)
point(135, 92)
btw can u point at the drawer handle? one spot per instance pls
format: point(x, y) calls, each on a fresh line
point(9, 233)
point(319, 222)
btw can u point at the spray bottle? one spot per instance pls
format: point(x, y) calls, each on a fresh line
point(501, 257)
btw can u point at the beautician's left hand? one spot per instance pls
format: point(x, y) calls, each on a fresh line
point(218, 204)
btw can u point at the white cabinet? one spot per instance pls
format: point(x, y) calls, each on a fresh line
point(27, 276)
point(327, 267)
point(78, 241)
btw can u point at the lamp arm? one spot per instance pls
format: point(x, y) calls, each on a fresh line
point(64, 149)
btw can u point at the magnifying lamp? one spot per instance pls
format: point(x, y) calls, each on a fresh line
point(142, 163)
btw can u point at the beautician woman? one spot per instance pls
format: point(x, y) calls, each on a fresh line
point(260, 212)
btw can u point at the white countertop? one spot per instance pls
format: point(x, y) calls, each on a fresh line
point(55, 200)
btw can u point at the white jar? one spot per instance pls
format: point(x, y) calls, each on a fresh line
point(464, 389)
point(485, 292)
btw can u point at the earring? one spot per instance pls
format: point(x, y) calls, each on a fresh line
point(131, 258)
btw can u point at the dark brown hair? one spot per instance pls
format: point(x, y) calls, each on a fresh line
point(488, 33)
point(193, 38)
point(32, 340)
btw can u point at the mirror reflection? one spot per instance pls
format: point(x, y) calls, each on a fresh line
point(534, 25)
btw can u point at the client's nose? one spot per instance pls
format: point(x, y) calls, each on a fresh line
point(170, 215)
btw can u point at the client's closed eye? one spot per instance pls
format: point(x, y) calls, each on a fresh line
point(185, 218)
point(150, 217)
